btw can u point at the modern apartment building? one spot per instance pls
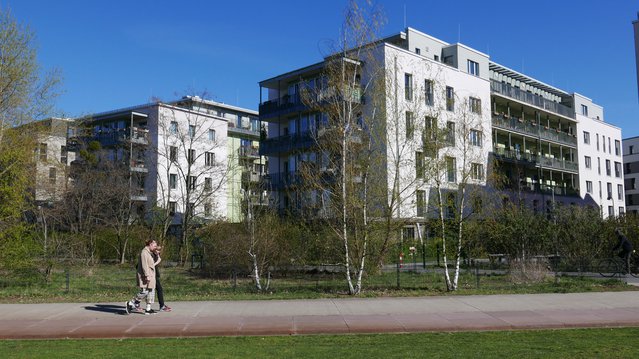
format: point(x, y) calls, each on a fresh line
point(190, 155)
point(631, 173)
point(540, 140)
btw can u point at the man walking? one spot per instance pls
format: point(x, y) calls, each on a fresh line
point(145, 279)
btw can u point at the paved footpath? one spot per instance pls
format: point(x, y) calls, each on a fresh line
point(349, 315)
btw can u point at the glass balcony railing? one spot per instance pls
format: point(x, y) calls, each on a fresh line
point(532, 129)
point(545, 161)
point(531, 99)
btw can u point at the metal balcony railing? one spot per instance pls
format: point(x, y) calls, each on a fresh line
point(534, 130)
point(531, 99)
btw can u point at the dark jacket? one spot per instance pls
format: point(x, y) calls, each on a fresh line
point(623, 243)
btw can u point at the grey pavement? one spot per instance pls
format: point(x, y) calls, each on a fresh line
point(323, 316)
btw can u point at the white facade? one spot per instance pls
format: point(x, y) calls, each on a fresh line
point(52, 159)
point(600, 158)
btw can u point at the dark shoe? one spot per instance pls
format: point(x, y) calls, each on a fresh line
point(150, 311)
point(127, 307)
point(165, 308)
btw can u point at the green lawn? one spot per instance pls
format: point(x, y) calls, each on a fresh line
point(109, 283)
point(564, 343)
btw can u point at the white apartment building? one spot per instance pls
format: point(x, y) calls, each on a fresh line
point(185, 155)
point(532, 130)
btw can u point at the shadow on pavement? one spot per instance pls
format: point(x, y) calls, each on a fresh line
point(107, 308)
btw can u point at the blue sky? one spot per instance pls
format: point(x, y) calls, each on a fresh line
point(115, 54)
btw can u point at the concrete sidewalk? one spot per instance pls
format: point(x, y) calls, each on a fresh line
point(350, 315)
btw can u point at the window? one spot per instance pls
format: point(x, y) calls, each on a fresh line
point(172, 181)
point(609, 188)
point(597, 142)
point(618, 148)
point(419, 165)
point(475, 105)
point(43, 152)
point(436, 57)
point(190, 157)
point(173, 153)
point(609, 148)
point(611, 211)
point(476, 138)
point(451, 169)
point(408, 87)
point(211, 135)
point(618, 169)
point(209, 159)
point(473, 68)
point(52, 175)
point(584, 110)
point(191, 182)
point(207, 209)
point(190, 208)
point(450, 133)
point(477, 171)
point(586, 137)
point(191, 131)
point(64, 153)
point(410, 126)
point(418, 51)
point(631, 149)
point(620, 192)
point(598, 165)
point(600, 193)
point(608, 171)
point(621, 210)
point(588, 164)
point(450, 98)
point(589, 187)
point(208, 184)
point(173, 128)
point(172, 208)
point(603, 140)
point(429, 93)
point(421, 203)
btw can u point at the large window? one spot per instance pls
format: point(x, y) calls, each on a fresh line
point(173, 153)
point(421, 203)
point(588, 162)
point(173, 127)
point(209, 159)
point(475, 105)
point(589, 187)
point(618, 169)
point(208, 184)
point(191, 156)
point(429, 93)
point(408, 87)
point(172, 181)
point(410, 126)
point(191, 182)
point(191, 131)
point(617, 148)
point(450, 133)
point(211, 135)
point(584, 110)
point(477, 171)
point(586, 137)
point(620, 192)
point(451, 169)
point(172, 208)
point(473, 68)
point(476, 138)
point(450, 98)
point(419, 164)
point(43, 152)
point(609, 188)
point(608, 170)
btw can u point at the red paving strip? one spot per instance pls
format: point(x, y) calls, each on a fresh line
point(332, 316)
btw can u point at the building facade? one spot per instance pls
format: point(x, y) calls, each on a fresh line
point(539, 140)
point(631, 173)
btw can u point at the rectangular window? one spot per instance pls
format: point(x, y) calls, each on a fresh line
point(173, 128)
point(600, 191)
point(618, 169)
point(589, 187)
point(419, 165)
point(451, 169)
point(190, 209)
point(64, 153)
point(43, 152)
point(212, 135)
point(173, 153)
point(209, 159)
point(410, 126)
point(584, 110)
point(450, 133)
point(421, 203)
point(588, 164)
point(603, 140)
point(620, 192)
point(586, 137)
point(191, 131)
point(608, 170)
point(172, 208)
point(598, 165)
point(52, 175)
point(476, 138)
point(418, 51)
point(408, 87)
point(207, 209)
point(172, 181)
point(473, 68)
point(190, 157)
point(208, 184)
point(597, 142)
point(611, 211)
point(609, 147)
point(450, 98)
point(429, 94)
point(475, 105)
point(191, 182)
point(609, 188)
point(618, 148)
point(477, 171)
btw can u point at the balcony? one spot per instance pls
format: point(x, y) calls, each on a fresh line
point(250, 177)
point(111, 137)
point(548, 188)
point(533, 130)
point(251, 152)
point(281, 106)
point(286, 143)
point(531, 99)
point(545, 161)
point(282, 180)
point(138, 166)
point(140, 136)
point(138, 194)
